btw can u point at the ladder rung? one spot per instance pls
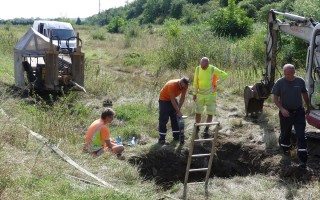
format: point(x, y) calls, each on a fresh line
point(201, 140)
point(196, 183)
point(198, 170)
point(201, 155)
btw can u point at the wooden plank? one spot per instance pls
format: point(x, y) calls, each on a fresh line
point(63, 155)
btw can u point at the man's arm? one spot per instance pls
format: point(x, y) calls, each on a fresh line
point(105, 136)
point(283, 111)
point(181, 100)
point(222, 75)
point(195, 83)
point(109, 145)
point(307, 101)
point(175, 105)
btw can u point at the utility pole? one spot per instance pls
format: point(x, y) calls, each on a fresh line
point(99, 15)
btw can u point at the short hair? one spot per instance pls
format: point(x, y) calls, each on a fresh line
point(185, 80)
point(108, 112)
point(288, 66)
point(205, 59)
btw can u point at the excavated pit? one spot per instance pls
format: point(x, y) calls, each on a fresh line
point(166, 165)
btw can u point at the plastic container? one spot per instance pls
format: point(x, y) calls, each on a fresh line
point(181, 128)
point(133, 141)
point(119, 141)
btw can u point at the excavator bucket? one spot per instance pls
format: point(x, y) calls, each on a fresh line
point(253, 104)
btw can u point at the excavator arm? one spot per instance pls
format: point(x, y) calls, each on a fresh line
point(296, 26)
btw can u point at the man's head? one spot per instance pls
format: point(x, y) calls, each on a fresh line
point(183, 83)
point(107, 115)
point(288, 72)
point(204, 62)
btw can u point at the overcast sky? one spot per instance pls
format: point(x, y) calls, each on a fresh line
point(10, 9)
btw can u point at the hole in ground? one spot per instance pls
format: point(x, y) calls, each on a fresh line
point(167, 165)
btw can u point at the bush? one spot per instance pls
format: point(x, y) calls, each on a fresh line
point(249, 8)
point(132, 29)
point(98, 35)
point(231, 21)
point(172, 28)
point(293, 50)
point(116, 25)
point(134, 59)
point(176, 8)
point(183, 50)
point(310, 9)
point(190, 14)
point(8, 41)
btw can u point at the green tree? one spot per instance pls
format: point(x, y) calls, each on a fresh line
point(231, 21)
point(78, 22)
point(307, 8)
point(116, 25)
point(152, 10)
point(224, 3)
point(176, 8)
point(136, 9)
point(198, 1)
point(190, 14)
point(249, 8)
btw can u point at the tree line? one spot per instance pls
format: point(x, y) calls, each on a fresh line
point(225, 17)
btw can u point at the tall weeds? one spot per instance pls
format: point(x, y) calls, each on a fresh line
point(7, 40)
point(243, 59)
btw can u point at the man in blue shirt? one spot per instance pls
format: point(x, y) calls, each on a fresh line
point(287, 95)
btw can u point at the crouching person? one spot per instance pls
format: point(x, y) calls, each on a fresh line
point(98, 136)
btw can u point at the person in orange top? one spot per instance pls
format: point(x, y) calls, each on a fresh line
point(169, 106)
point(98, 136)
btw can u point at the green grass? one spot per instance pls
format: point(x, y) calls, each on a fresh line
point(131, 76)
point(136, 120)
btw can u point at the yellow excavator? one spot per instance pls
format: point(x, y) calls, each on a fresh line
point(297, 26)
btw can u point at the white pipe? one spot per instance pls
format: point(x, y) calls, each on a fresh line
point(79, 86)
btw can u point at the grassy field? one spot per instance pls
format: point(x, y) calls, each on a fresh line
point(130, 69)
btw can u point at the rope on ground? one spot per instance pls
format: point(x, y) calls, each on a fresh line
point(63, 155)
point(166, 195)
point(85, 181)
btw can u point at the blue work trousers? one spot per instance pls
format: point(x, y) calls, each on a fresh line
point(166, 111)
point(298, 121)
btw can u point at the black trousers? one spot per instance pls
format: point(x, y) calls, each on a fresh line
point(298, 121)
point(166, 111)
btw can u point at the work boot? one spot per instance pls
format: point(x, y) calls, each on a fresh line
point(176, 136)
point(206, 132)
point(162, 142)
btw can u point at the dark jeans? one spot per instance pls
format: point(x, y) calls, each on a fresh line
point(298, 121)
point(167, 111)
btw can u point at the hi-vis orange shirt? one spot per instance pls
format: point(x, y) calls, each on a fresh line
point(96, 136)
point(171, 87)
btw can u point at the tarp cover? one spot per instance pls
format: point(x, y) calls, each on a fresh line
point(32, 44)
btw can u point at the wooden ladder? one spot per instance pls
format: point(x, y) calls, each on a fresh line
point(191, 155)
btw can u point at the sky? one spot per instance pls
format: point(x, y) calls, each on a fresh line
point(56, 8)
